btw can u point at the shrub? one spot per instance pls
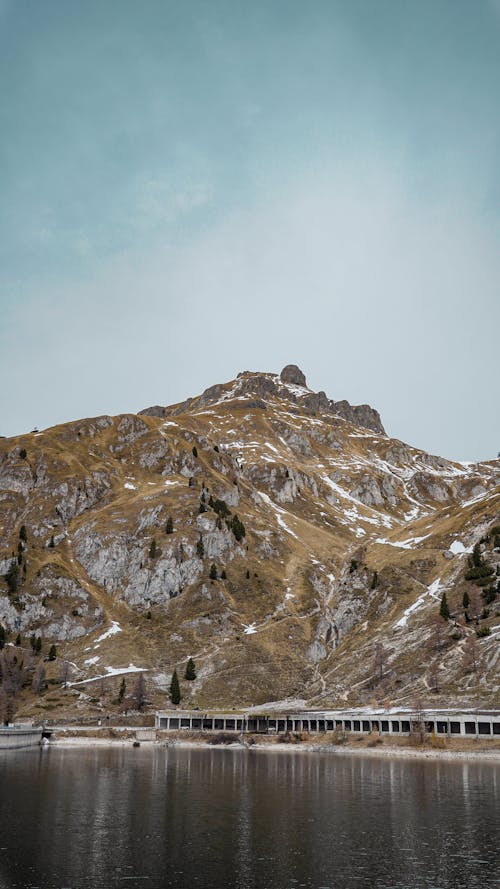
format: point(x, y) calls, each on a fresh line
point(213, 571)
point(483, 631)
point(223, 738)
point(221, 508)
point(489, 594)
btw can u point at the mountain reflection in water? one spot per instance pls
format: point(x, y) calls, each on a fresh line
point(79, 818)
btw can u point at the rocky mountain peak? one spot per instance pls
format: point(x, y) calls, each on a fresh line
point(293, 374)
point(289, 385)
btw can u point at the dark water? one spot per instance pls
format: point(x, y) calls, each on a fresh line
point(244, 819)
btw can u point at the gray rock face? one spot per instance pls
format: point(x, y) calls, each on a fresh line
point(293, 374)
point(265, 385)
point(360, 415)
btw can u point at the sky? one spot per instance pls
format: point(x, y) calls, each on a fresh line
point(193, 189)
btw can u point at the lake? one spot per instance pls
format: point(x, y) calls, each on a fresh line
point(245, 819)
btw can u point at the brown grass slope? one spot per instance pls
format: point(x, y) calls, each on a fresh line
point(332, 596)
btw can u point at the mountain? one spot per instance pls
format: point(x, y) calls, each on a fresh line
point(280, 538)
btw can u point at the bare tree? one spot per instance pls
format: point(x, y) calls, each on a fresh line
point(139, 692)
point(418, 719)
point(434, 676)
point(39, 684)
point(65, 673)
point(379, 660)
point(471, 654)
point(436, 633)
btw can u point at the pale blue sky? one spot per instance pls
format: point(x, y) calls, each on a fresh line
point(189, 190)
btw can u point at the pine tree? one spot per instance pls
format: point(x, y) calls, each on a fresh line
point(223, 575)
point(237, 528)
point(52, 653)
point(153, 549)
point(2, 637)
point(443, 608)
point(190, 673)
point(466, 600)
point(52, 542)
point(18, 640)
point(200, 549)
point(122, 689)
point(374, 583)
point(12, 577)
point(195, 451)
point(175, 692)
point(23, 535)
point(477, 559)
point(170, 525)
point(38, 644)
point(213, 571)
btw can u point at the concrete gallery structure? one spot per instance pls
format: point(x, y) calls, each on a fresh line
point(448, 723)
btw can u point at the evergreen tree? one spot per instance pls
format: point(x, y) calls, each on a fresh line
point(170, 525)
point(23, 535)
point(466, 600)
point(175, 692)
point(223, 575)
point(122, 689)
point(237, 528)
point(443, 608)
point(33, 642)
point(52, 653)
point(477, 559)
point(213, 571)
point(23, 453)
point(18, 640)
point(190, 673)
point(12, 577)
point(200, 549)
point(374, 583)
point(52, 542)
point(2, 637)
point(153, 549)
point(38, 647)
point(248, 574)
point(195, 451)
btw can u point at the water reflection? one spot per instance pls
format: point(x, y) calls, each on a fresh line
point(245, 819)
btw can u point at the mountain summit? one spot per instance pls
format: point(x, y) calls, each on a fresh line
point(279, 538)
point(289, 385)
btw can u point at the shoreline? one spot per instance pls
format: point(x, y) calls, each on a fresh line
point(379, 751)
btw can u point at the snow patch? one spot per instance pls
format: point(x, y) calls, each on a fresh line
point(113, 629)
point(431, 591)
point(249, 629)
